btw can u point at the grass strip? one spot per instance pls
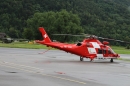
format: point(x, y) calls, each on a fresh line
point(31, 45)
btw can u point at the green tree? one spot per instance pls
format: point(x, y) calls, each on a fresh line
point(62, 22)
point(106, 18)
point(12, 33)
point(28, 34)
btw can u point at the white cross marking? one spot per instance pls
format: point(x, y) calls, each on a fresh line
point(45, 36)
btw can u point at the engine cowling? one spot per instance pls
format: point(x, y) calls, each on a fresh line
point(105, 42)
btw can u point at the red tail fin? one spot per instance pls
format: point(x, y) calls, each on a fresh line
point(44, 34)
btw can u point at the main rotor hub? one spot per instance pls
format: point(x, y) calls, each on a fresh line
point(93, 37)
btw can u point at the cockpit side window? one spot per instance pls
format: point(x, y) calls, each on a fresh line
point(100, 51)
point(104, 51)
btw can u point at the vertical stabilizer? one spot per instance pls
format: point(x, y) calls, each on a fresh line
point(44, 35)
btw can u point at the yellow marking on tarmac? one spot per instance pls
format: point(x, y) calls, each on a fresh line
point(16, 68)
point(23, 68)
point(67, 79)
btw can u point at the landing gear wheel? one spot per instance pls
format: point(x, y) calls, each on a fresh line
point(111, 60)
point(81, 58)
point(91, 60)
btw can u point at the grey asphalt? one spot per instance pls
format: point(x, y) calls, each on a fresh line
point(125, 56)
point(32, 67)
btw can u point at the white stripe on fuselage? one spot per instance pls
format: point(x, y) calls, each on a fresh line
point(95, 44)
point(92, 51)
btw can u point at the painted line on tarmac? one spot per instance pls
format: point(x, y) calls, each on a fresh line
point(34, 70)
point(67, 79)
point(24, 66)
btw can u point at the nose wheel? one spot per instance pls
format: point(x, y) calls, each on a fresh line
point(81, 58)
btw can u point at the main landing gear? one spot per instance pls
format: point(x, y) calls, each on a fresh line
point(81, 58)
point(111, 60)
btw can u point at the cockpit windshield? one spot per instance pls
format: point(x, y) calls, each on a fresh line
point(110, 50)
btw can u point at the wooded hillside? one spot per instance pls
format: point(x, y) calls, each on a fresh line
point(106, 18)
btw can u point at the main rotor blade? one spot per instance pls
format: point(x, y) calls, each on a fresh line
point(113, 40)
point(71, 35)
point(61, 34)
point(88, 36)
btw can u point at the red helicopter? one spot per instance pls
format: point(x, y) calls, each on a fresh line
point(90, 47)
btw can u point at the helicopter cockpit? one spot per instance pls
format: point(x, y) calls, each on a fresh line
point(105, 51)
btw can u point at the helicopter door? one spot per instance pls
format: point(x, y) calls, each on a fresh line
point(100, 53)
point(105, 52)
